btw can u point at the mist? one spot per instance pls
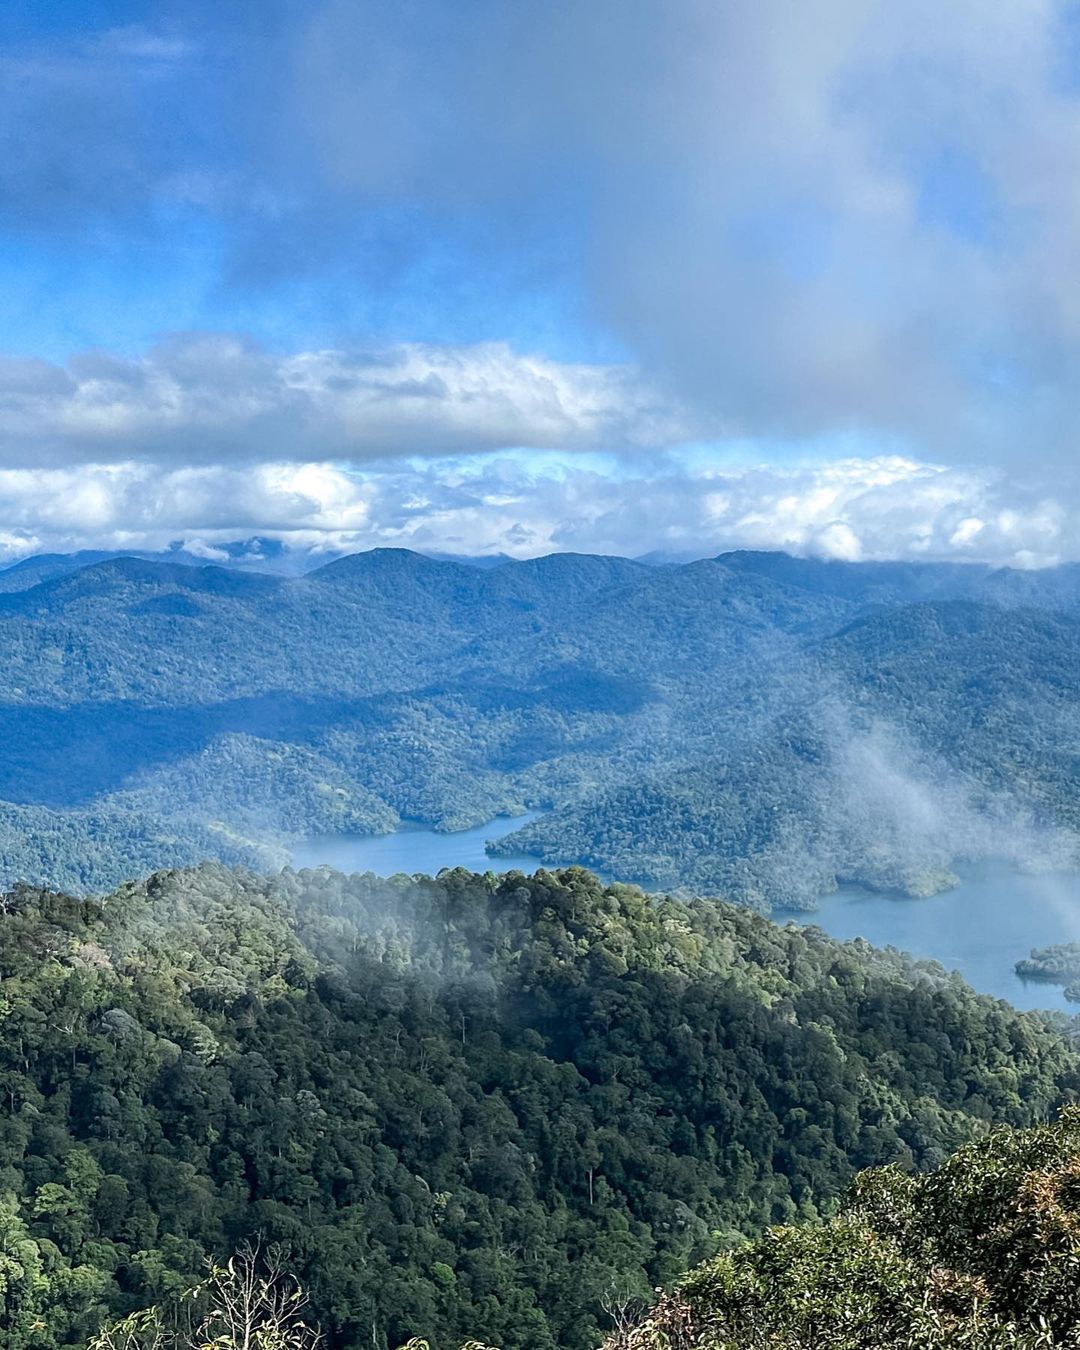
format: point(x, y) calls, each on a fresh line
point(910, 818)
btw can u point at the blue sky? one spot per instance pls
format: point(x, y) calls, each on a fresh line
point(154, 182)
point(461, 274)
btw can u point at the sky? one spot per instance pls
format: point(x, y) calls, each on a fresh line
point(628, 276)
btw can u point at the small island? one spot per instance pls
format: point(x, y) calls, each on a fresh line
point(1059, 964)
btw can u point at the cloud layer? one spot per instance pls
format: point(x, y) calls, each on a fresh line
point(842, 214)
point(837, 214)
point(209, 397)
point(209, 438)
point(601, 231)
point(528, 505)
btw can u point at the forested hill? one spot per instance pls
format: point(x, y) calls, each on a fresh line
point(721, 724)
point(981, 1254)
point(472, 1106)
point(912, 738)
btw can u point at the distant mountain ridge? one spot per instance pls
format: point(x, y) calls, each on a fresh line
point(254, 554)
point(700, 723)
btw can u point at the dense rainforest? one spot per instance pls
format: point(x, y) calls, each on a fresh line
point(980, 1254)
point(755, 726)
point(469, 1106)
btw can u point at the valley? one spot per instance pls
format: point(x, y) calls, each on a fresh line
point(539, 675)
point(1016, 911)
point(466, 1100)
point(755, 726)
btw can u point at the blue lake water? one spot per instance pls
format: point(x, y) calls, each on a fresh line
point(981, 928)
point(415, 850)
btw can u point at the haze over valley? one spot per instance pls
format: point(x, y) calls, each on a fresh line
point(755, 726)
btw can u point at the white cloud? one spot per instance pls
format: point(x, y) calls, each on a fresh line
point(138, 505)
point(877, 508)
point(839, 218)
point(808, 217)
point(528, 504)
point(804, 217)
point(208, 398)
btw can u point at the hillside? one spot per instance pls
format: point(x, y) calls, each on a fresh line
point(911, 739)
point(980, 1253)
point(755, 725)
point(471, 1106)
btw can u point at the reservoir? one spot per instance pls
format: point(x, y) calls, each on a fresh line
point(416, 849)
point(981, 928)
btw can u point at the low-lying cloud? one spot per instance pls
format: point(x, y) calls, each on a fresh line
point(903, 808)
point(534, 503)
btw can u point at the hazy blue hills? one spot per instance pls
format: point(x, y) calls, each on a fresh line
point(863, 583)
point(913, 738)
point(754, 724)
point(907, 582)
point(255, 554)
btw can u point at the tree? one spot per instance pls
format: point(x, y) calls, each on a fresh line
point(980, 1254)
point(250, 1303)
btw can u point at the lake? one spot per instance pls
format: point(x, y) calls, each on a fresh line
point(981, 928)
point(416, 849)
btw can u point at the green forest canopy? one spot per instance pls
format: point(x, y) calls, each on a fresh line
point(471, 1106)
point(754, 726)
point(981, 1254)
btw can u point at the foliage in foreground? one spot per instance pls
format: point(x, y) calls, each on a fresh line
point(469, 1105)
point(981, 1254)
point(250, 1303)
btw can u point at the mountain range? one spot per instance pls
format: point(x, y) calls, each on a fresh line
point(754, 725)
